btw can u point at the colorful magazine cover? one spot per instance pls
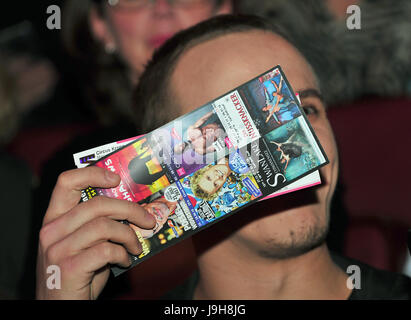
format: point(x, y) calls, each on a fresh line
point(208, 164)
point(84, 158)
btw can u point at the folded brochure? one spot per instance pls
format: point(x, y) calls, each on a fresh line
point(247, 145)
point(84, 158)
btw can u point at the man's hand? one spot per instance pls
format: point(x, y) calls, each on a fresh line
point(82, 239)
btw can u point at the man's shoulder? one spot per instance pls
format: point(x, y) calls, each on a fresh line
point(374, 283)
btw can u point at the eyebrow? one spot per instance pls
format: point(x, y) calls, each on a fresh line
point(310, 92)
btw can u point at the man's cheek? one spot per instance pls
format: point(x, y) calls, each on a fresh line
point(326, 138)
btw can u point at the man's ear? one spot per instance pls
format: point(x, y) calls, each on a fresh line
point(100, 29)
point(226, 7)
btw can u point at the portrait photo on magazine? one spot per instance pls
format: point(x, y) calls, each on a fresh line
point(190, 143)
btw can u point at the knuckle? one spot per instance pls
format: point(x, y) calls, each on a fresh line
point(106, 250)
point(68, 266)
point(52, 254)
point(63, 179)
point(44, 237)
point(97, 201)
point(101, 226)
point(97, 204)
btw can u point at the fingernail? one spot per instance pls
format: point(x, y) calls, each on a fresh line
point(150, 217)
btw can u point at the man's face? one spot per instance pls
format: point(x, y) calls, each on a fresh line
point(291, 224)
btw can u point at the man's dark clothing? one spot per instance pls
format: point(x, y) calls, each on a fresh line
point(375, 284)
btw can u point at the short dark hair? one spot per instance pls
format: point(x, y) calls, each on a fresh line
point(153, 103)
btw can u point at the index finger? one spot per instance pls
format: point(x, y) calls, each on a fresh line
point(67, 192)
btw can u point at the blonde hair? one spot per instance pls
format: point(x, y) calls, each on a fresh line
point(197, 190)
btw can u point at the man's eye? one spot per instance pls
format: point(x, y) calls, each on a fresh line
point(310, 110)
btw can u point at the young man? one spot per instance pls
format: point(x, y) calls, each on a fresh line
point(272, 250)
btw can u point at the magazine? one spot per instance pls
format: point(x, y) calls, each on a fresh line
point(245, 146)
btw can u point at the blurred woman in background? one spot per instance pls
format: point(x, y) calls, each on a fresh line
point(110, 41)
